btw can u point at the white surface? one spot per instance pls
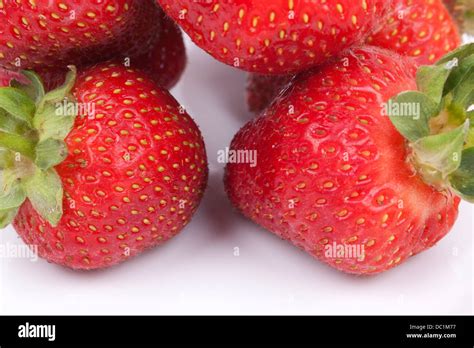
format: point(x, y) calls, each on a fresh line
point(198, 272)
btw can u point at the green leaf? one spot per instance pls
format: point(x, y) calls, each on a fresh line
point(6, 159)
point(17, 103)
point(45, 192)
point(463, 93)
point(9, 124)
point(12, 125)
point(7, 216)
point(34, 89)
point(17, 143)
point(460, 53)
point(442, 152)
point(462, 180)
point(59, 94)
point(410, 113)
point(431, 80)
point(50, 153)
point(11, 195)
point(470, 137)
point(461, 60)
point(51, 123)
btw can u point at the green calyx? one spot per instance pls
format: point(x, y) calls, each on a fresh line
point(33, 127)
point(438, 122)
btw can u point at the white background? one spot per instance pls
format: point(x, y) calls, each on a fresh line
point(198, 273)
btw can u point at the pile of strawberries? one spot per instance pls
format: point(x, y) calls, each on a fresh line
point(363, 137)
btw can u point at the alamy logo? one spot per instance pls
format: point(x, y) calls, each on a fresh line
point(400, 109)
point(19, 251)
point(345, 251)
point(67, 108)
point(37, 331)
point(237, 156)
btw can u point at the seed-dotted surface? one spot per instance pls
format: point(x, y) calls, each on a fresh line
point(333, 169)
point(135, 175)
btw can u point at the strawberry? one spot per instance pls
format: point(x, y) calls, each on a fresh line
point(163, 62)
point(126, 176)
point(52, 77)
point(166, 60)
point(276, 37)
point(36, 34)
point(422, 29)
point(7, 76)
point(333, 171)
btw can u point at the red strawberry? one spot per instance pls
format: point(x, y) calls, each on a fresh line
point(52, 77)
point(333, 171)
point(422, 29)
point(276, 36)
point(166, 60)
point(134, 174)
point(51, 33)
point(7, 76)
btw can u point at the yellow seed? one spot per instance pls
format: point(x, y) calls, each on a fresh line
point(272, 16)
point(370, 242)
point(255, 21)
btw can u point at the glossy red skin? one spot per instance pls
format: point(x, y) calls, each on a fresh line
point(401, 35)
point(343, 166)
point(44, 35)
point(116, 206)
point(427, 31)
point(166, 60)
point(235, 31)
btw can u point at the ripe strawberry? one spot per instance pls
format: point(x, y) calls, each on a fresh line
point(51, 33)
point(276, 37)
point(166, 60)
point(332, 169)
point(7, 76)
point(422, 29)
point(133, 174)
point(53, 77)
